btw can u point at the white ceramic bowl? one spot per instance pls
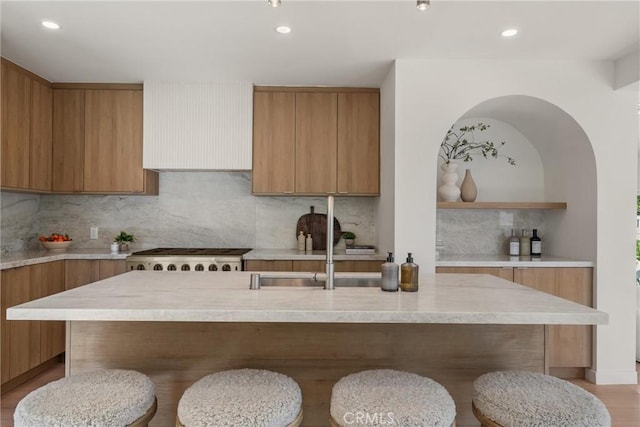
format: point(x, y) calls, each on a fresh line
point(56, 246)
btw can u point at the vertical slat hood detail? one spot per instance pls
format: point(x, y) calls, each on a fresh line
point(197, 125)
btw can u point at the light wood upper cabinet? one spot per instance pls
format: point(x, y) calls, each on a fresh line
point(359, 143)
point(68, 140)
point(26, 130)
point(113, 141)
point(16, 126)
point(316, 143)
point(274, 138)
point(41, 136)
point(98, 141)
point(328, 138)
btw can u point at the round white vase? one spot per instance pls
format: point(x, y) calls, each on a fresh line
point(449, 191)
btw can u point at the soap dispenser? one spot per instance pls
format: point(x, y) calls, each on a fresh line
point(390, 274)
point(409, 275)
point(308, 246)
point(301, 242)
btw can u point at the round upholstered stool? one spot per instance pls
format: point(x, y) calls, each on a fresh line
point(388, 397)
point(527, 399)
point(242, 397)
point(105, 398)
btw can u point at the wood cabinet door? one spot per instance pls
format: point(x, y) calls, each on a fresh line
point(20, 338)
point(268, 265)
point(274, 139)
point(316, 142)
point(110, 268)
point(359, 266)
point(311, 266)
point(41, 136)
point(503, 272)
point(359, 143)
point(569, 346)
point(16, 127)
point(113, 141)
point(68, 140)
point(50, 278)
point(80, 272)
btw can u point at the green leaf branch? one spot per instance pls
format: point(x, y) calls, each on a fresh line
point(462, 144)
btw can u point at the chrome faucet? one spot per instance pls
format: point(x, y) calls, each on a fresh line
point(329, 275)
point(330, 268)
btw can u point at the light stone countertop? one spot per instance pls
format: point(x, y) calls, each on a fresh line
point(22, 259)
point(225, 297)
point(294, 254)
point(466, 260)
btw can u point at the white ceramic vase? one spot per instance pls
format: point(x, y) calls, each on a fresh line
point(449, 191)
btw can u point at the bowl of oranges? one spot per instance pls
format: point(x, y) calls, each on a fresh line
point(56, 242)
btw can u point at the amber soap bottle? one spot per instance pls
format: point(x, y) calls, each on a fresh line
point(409, 275)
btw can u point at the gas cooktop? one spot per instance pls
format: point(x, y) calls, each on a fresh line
point(193, 251)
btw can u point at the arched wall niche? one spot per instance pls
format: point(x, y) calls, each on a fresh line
point(559, 165)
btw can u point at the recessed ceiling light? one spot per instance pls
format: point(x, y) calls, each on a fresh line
point(509, 33)
point(274, 3)
point(50, 25)
point(423, 4)
point(283, 29)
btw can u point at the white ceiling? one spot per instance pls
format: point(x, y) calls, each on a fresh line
point(333, 42)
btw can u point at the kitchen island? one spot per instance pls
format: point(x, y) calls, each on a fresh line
point(179, 326)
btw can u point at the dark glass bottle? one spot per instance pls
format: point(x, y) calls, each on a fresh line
point(536, 244)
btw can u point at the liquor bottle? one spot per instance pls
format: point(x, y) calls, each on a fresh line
point(514, 244)
point(536, 244)
point(525, 243)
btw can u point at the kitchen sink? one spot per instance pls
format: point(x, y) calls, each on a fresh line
point(306, 282)
point(302, 279)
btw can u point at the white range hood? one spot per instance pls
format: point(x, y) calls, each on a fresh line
point(197, 125)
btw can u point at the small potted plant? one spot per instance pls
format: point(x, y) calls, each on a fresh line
point(348, 237)
point(123, 240)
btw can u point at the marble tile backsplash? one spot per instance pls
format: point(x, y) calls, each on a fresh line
point(479, 231)
point(193, 209)
point(19, 220)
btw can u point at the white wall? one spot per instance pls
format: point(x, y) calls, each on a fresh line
point(432, 94)
point(386, 202)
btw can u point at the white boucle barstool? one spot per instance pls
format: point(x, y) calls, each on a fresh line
point(528, 399)
point(241, 397)
point(389, 397)
point(105, 398)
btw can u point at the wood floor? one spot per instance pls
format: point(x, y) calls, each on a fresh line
point(622, 401)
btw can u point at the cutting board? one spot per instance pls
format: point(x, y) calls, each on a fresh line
point(316, 225)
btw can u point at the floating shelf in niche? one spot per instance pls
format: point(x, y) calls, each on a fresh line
point(501, 205)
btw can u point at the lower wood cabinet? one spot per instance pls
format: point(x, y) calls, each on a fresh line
point(568, 346)
point(27, 344)
point(81, 272)
point(312, 266)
